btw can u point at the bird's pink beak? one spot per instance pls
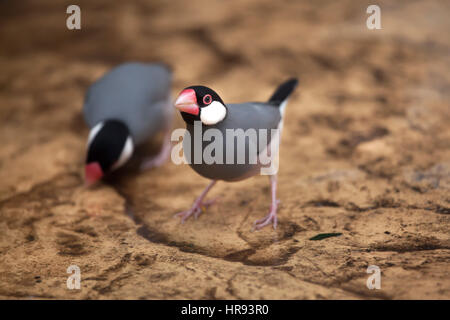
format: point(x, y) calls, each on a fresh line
point(92, 173)
point(187, 102)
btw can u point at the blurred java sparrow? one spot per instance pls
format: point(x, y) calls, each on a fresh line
point(200, 105)
point(126, 107)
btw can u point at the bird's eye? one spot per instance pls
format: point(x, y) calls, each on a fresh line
point(207, 99)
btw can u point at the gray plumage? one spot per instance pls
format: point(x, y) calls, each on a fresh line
point(251, 115)
point(137, 94)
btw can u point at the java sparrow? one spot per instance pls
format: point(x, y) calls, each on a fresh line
point(201, 105)
point(124, 108)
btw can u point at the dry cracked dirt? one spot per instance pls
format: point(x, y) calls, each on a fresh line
point(365, 152)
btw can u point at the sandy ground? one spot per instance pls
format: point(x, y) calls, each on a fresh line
point(365, 153)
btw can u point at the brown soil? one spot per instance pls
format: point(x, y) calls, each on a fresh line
point(365, 153)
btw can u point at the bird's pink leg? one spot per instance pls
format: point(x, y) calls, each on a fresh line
point(161, 157)
point(272, 216)
point(198, 205)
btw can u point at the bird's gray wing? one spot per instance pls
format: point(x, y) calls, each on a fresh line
point(260, 124)
point(245, 121)
point(253, 115)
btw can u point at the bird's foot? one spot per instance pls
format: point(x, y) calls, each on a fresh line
point(197, 208)
point(157, 160)
point(160, 158)
point(153, 162)
point(271, 217)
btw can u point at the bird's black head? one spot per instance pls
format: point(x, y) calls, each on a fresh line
point(200, 103)
point(109, 146)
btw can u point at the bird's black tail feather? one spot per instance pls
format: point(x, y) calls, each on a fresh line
point(283, 91)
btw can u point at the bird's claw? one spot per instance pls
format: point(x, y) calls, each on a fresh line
point(196, 210)
point(153, 162)
point(271, 217)
point(184, 215)
point(158, 159)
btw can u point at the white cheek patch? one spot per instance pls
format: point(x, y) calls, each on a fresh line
point(213, 113)
point(94, 132)
point(126, 154)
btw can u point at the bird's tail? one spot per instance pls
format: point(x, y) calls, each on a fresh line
point(283, 92)
point(279, 100)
